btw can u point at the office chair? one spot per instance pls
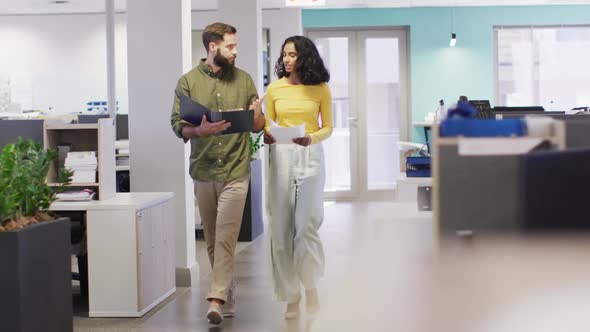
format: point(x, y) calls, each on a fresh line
point(78, 247)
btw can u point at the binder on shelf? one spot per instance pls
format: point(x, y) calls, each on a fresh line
point(193, 112)
point(418, 166)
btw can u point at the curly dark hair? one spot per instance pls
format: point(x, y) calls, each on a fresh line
point(309, 67)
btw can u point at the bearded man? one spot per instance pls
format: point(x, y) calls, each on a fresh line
point(219, 164)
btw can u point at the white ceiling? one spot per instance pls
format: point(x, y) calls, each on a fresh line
point(91, 6)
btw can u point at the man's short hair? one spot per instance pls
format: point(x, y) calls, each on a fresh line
point(215, 32)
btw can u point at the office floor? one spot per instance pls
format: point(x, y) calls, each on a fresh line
point(385, 272)
point(357, 237)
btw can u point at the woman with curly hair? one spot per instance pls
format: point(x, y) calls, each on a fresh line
point(296, 172)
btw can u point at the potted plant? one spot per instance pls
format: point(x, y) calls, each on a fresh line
point(252, 225)
point(35, 282)
point(255, 145)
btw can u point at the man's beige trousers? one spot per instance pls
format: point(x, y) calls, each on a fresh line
point(221, 205)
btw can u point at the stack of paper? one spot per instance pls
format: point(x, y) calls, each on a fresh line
point(285, 135)
point(76, 195)
point(122, 161)
point(122, 146)
point(83, 164)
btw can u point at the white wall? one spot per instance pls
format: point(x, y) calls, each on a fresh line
point(282, 23)
point(200, 19)
point(59, 61)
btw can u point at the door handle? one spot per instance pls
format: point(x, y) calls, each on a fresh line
point(353, 122)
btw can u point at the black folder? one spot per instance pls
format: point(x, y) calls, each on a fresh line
point(192, 112)
point(241, 120)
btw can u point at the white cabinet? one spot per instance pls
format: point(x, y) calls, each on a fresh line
point(146, 256)
point(131, 261)
point(155, 254)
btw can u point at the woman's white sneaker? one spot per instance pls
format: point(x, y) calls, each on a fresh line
point(312, 301)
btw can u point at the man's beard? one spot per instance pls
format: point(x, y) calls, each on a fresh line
point(222, 61)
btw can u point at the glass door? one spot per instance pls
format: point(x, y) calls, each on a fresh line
point(383, 102)
point(337, 49)
point(368, 82)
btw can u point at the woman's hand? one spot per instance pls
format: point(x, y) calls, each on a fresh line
point(303, 141)
point(269, 139)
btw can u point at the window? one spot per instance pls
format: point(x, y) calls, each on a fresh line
point(543, 66)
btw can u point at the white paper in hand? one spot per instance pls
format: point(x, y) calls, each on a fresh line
point(285, 135)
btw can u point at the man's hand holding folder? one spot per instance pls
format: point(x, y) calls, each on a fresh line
point(209, 122)
point(207, 128)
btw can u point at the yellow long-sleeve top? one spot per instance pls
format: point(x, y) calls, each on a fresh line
point(293, 104)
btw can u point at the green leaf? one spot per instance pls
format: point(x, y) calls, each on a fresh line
point(24, 166)
point(254, 142)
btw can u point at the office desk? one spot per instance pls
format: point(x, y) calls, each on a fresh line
point(131, 261)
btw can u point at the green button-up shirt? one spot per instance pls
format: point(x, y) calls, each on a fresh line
point(224, 157)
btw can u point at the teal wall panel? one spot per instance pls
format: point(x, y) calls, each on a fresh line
point(438, 71)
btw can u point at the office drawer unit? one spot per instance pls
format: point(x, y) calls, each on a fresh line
point(155, 254)
point(131, 262)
